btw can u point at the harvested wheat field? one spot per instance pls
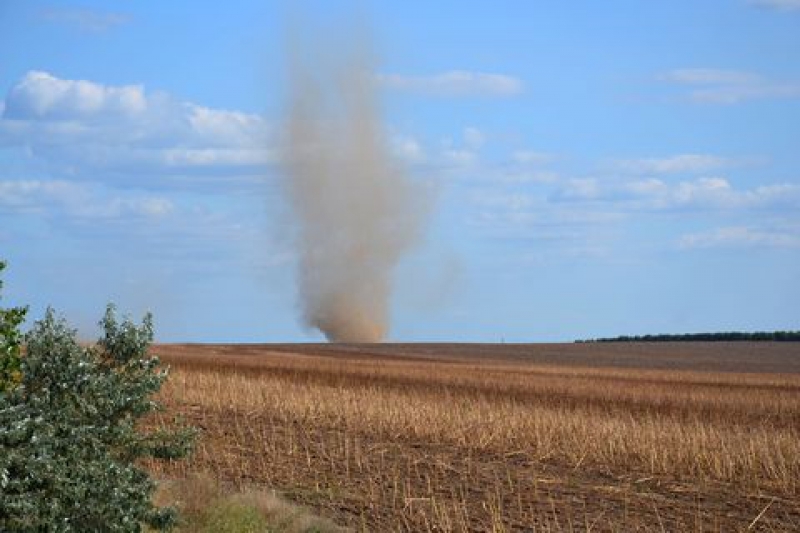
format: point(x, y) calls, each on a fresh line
point(446, 437)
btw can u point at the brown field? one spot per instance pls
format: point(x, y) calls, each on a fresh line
point(559, 437)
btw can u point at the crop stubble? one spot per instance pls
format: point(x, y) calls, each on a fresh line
point(502, 438)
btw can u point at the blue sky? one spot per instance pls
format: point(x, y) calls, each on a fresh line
point(597, 169)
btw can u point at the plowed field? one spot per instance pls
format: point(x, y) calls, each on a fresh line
point(544, 437)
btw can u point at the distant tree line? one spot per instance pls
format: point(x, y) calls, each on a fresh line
point(780, 336)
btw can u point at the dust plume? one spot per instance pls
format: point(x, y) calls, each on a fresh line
point(357, 212)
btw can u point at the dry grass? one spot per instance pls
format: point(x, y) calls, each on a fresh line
point(206, 506)
point(413, 444)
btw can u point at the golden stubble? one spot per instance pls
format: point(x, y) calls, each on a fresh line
point(456, 443)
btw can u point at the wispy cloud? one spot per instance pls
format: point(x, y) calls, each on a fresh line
point(523, 213)
point(88, 20)
point(474, 138)
point(739, 236)
point(531, 157)
point(720, 86)
point(456, 83)
point(780, 5)
point(709, 193)
point(682, 163)
point(57, 198)
point(706, 76)
point(408, 149)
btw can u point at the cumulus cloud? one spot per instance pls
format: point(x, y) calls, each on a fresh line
point(42, 96)
point(720, 86)
point(81, 128)
point(455, 83)
point(740, 236)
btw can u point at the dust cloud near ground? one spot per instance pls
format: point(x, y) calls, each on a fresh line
point(356, 211)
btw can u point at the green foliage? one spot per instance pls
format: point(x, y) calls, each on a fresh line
point(69, 442)
point(10, 341)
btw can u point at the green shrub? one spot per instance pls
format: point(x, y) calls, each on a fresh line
point(10, 340)
point(69, 443)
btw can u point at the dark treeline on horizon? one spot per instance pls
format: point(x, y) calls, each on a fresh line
point(780, 336)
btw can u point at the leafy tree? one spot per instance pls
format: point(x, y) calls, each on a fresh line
point(69, 441)
point(10, 341)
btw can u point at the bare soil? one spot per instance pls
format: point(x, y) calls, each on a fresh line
point(760, 357)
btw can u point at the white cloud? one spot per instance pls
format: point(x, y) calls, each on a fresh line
point(88, 20)
point(86, 129)
point(720, 86)
point(648, 187)
point(459, 157)
point(526, 157)
point(455, 83)
point(579, 189)
point(231, 128)
point(672, 165)
point(201, 157)
point(740, 236)
point(505, 201)
point(154, 206)
point(705, 76)
point(718, 193)
point(735, 94)
point(503, 223)
point(780, 5)
point(473, 138)
point(525, 213)
point(463, 159)
point(77, 200)
point(408, 149)
point(41, 96)
point(520, 176)
point(27, 194)
point(708, 191)
point(700, 193)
